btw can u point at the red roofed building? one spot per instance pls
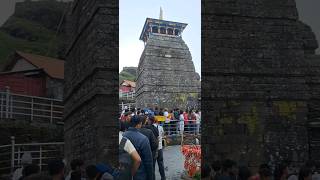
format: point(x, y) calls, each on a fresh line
point(33, 75)
point(127, 86)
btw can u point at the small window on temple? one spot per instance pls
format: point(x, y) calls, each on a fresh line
point(163, 30)
point(155, 29)
point(170, 31)
point(176, 32)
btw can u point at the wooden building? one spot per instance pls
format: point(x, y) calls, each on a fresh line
point(127, 86)
point(33, 75)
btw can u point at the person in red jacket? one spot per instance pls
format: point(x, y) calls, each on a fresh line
point(186, 121)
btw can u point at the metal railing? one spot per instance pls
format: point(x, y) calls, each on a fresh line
point(30, 108)
point(189, 127)
point(127, 95)
point(41, 153)
point(129, 106)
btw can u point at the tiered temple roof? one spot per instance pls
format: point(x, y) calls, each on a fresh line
point(159, 26)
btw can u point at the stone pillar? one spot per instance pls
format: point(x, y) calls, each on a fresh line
point(91, 82)
point(254, 93)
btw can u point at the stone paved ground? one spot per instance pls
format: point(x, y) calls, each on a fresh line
point(173, 162)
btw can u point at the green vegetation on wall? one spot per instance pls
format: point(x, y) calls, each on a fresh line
point(287, 109)
point(249, 118)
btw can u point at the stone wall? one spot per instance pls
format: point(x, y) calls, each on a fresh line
point(255, 94)
point(166, 74)
point(314, 107)
point(91, 82)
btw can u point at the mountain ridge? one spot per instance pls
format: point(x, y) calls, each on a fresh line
point(36, 27)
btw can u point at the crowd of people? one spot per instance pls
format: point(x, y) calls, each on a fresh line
point(56, 170)
point(140, 148)
point(228, 170)
point(142, 167)
point(174, 121)
point(145, 136)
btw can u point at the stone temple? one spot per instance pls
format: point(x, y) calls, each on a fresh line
point(166, 75)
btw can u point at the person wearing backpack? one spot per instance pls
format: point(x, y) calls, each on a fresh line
point(151, 121)
point(142, 145)
point(129, 159)
point(145, 130)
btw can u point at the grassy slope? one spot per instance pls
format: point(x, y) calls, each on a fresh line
point(126, 76)
point(30, 30)
point(41, 45)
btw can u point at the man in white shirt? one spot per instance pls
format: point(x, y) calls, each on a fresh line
point(198, 121)
point(130, 149)
point(167, 120)
point(160, 150)
point(181, 122)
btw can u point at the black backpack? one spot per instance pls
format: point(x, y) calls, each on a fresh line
point(125, 162)
point(154, 130)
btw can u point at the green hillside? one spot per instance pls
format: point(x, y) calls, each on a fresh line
point(128, 73)
point(34, 28)
point(126, 76)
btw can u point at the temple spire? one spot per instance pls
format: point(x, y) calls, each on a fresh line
point(161, 14)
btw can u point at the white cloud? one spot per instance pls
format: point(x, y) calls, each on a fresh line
point(129, 54)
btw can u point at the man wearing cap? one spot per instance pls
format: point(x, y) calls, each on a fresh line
point(142, 145)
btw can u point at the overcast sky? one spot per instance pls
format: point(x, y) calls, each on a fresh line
point(6, 9)
point(309, 13)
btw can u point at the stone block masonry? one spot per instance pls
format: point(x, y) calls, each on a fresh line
point(166, 75)
point(255, 93)
point(91, 82)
